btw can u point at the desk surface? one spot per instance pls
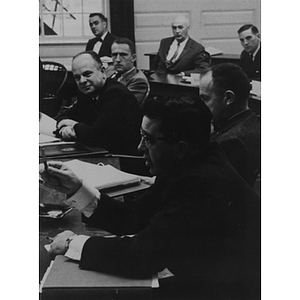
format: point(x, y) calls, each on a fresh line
point(168, 84)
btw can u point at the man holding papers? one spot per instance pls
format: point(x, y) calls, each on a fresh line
point(199, 221)
point(106, 113)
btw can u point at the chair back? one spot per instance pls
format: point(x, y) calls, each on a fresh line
point(207, 58)
point(53, 75)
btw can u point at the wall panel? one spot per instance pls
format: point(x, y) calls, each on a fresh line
point(212, 23)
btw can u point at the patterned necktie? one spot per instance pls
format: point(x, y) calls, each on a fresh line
point(173, 58)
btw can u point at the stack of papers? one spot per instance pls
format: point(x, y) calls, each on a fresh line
point(100, 176)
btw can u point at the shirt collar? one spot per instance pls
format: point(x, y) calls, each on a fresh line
point(104, 35)
point(255, 52)
point(127, 72)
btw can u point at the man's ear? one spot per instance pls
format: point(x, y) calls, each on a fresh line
point(133, 57)
point(182, 149)
point(229, 97)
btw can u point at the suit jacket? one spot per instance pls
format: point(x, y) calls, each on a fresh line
point(251, 68)
point(137, 83)
point(105, 49)
point(201, 223)
point(191, 60)
point(239, 137)
point(113, 121)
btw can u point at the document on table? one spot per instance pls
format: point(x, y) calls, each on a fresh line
point(47, 125)
point(43, 138)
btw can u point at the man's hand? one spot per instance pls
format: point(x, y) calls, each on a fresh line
point(60, 244)
point(67, 133)
point(59, 177)
point(66, 122)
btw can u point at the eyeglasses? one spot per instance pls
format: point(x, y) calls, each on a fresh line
point(148, 139)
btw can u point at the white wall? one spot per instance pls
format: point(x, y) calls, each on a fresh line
point(212, 23)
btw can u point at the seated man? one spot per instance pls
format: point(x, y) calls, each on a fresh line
point(180, 54)
point(106, 114)
point(103, 40)
point(200, 219)
point(124, 70)
point(225, 90)
point(251, 55)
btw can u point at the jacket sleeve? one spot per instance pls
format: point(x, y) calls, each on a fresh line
point(115, 120)
point(200, 63)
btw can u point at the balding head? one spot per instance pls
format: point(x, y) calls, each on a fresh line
point(180, 28)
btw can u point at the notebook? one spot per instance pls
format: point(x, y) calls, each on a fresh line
point(102, 177)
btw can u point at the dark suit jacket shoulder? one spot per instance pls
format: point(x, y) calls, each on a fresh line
point(105, 49)
point(193, 223)
point(251, 68)
point(112, 121)
point(239, 137)
point(191, 60)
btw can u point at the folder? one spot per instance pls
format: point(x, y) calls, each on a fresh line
point(65, 280)
point(101, 176)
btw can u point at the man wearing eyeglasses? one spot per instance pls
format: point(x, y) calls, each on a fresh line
point(197, 226)
point(124, 70)
point(103, 40)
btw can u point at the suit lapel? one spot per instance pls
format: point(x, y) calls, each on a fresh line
point(185, 50)
point(125, 78)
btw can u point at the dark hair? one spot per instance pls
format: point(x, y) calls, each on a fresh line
point(101, 16)
point(228, 76)
point(183, 118)
point(93, 54)
point(123, 40)
point(248, 26)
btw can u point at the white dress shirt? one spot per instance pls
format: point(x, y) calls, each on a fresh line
point(173, 48)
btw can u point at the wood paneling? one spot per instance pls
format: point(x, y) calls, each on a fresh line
point(212, 23)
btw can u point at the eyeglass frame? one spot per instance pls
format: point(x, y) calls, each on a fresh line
point(150, 140)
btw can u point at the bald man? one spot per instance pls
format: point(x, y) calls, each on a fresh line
point(180, 54)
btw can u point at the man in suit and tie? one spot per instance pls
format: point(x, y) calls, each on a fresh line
point(180, 54)
point(124, 70)
point(225, 88)
point(103, 40)
point(105, 114)
point(251, 56)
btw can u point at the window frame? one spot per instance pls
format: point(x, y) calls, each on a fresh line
point(55, 39)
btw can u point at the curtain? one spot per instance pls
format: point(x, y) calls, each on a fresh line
point(122, 18)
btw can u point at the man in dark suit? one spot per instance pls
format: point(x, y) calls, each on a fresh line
point(225, 88)
point(198, 223)
point(180, 54)
point(251, 55)
point(106, 113)
point(101, 44)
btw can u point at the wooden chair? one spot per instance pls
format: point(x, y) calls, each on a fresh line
point(53, 75)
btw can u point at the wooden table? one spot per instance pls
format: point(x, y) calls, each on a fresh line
point(215, 59)
point(169, 84)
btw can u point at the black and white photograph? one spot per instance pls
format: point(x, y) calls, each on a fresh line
point(153, 151)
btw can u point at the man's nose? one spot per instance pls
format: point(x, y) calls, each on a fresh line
point(141, 146)
point(82, 79)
